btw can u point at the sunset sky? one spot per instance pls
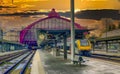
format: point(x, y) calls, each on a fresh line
point(21, 6)
point(61, 5)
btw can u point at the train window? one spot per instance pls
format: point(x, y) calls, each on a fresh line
point(84, 42)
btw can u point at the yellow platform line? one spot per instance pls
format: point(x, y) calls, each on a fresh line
point(37, 67)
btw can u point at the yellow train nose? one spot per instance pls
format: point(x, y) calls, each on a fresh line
point(83, 45)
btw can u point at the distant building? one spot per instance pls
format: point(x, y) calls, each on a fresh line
point(114, 33)
point(106, 23)
point(12, 36)
point(110, 39)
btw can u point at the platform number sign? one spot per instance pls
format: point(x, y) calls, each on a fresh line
point(79, 36)
point(50, 36)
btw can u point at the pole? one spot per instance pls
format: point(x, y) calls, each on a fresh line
point(65, 47)
point(72, 32)
point(106, 35)
point(12, 1)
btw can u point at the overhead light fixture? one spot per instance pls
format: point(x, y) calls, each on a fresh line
point(42, 36)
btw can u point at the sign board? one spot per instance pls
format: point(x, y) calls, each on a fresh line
point(51, 36)
point(79, 36)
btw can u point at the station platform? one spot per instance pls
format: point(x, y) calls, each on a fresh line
point(10, 52)
point(45, 63)
point(106, 53)
point(101, 52)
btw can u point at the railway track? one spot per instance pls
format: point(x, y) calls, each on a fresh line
point(25, 69)
point(21, 65)
point(8, 57)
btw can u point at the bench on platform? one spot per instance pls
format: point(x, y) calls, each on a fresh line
point(78, 60)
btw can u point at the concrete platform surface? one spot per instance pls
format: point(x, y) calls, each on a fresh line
point(107, 53)
point(37, 67)
point(57, 65)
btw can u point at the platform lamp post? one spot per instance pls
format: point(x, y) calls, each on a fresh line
point(106, 39)
point(72, 31)
point(1, 38)
point(106, 22)
point(12, 1)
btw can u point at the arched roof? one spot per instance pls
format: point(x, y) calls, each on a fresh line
point(52, 14)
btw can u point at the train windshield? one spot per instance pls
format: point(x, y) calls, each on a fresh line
point(84, 42)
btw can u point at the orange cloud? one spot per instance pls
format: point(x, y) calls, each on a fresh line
point(63, 5)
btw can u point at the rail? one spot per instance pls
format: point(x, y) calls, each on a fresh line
point(11, 68)
point(26, 65)
point(7, 58)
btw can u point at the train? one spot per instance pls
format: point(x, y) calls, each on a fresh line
point(83, 46)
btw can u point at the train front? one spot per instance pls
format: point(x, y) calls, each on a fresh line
point(84, 47)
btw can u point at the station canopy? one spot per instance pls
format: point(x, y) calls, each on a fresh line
point(53, 23)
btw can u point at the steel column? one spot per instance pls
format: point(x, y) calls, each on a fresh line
point(65, 47)
point(72, 32)
point(106, 46)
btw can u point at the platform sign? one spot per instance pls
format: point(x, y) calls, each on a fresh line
point(79, 36)
point(51, 37)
